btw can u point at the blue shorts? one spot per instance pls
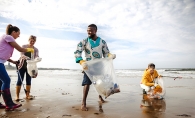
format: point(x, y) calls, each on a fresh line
point(86, 80)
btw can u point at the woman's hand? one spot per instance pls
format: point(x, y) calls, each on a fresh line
point(14, 62)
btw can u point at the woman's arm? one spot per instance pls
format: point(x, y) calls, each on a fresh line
point(22, 53)
point(14, 62)
point(36, 53)
point(17, 47)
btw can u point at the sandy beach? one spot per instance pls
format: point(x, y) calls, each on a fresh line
point(58, 94)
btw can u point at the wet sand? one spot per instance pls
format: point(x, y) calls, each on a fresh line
point(59, 96)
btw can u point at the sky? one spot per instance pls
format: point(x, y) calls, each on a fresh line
point(137, 31)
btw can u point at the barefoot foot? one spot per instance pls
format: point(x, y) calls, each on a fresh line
point(84, 108)
point(30, 97)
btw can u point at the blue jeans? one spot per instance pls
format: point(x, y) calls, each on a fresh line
point(4, 77)
point(22, 71)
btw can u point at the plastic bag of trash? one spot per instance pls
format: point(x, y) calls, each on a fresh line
point(160, 81)
point(102, 75)
point(159, 91)
point(32, 67)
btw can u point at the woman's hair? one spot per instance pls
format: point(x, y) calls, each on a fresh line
point(11, 28)
point(32, 37)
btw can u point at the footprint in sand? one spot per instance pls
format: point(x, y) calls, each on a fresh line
point(185, 115)
point(66, 115)
point(96, 113)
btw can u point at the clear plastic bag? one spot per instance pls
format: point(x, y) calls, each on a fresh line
point(160, 81)
point(32, 67)
point(158, 92)
point(102, 75)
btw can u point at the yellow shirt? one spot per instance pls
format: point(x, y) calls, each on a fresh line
point(148, 79)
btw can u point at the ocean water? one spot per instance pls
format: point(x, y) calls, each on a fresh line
point(128, 77)
point(133, 73)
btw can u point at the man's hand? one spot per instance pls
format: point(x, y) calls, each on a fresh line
point(83, 64)
point(112, 56)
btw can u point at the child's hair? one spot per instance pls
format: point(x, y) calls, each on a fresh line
point(11, 28)
point(32, 37)
point(151, 65)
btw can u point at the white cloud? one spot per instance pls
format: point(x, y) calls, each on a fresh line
point(164, 28)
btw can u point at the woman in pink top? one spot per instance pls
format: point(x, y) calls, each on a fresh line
point(7, 45)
